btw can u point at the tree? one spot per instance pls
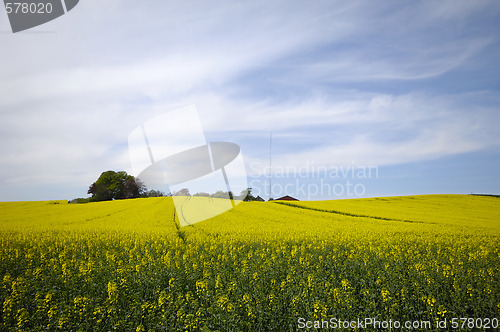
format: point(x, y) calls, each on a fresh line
point(133, 187)
point(221, 194)
point(202, 194)
point(246, 195)
point(116, 185)
point(153, 193)
point(182, 192)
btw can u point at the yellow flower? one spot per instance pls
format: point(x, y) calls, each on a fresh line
point(441, 310)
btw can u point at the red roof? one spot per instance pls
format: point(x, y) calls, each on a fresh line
point(286, 198)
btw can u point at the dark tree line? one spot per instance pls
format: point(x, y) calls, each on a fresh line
point(119, 185)
point(245, 195)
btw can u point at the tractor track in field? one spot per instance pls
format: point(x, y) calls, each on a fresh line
point(180, 233)
point(351, 214)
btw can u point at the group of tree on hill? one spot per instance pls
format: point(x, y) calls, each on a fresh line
point(245, 195)
point(113, 185)
point(116, 185)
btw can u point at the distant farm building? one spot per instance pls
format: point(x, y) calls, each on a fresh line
point(286, 198)
point(259, 199)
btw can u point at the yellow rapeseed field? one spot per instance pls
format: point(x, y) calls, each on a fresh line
point(128, 266)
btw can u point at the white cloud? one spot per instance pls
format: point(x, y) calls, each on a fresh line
point(69, 99)
point(395, 130)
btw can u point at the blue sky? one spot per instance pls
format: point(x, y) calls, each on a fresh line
point(411, 88)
